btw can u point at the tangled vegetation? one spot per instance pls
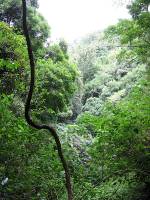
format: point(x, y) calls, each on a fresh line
point(96, 93)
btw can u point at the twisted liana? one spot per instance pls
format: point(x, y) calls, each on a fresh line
point(28, 117)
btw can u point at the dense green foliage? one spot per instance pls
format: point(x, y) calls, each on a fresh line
point(101, 110)
point(13, 59)
point(119, 154)
point(115, 71)
point(55, 86)
point(38, 27)
point(27, 158)
point(56, 75)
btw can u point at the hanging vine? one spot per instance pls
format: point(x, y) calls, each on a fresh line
point(28, 118)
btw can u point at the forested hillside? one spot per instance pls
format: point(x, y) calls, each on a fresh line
point(95, 92)
point(109, 70)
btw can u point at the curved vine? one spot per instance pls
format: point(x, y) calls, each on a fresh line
point(28, 103)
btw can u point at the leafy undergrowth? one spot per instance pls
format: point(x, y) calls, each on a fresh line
point(108, 155)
